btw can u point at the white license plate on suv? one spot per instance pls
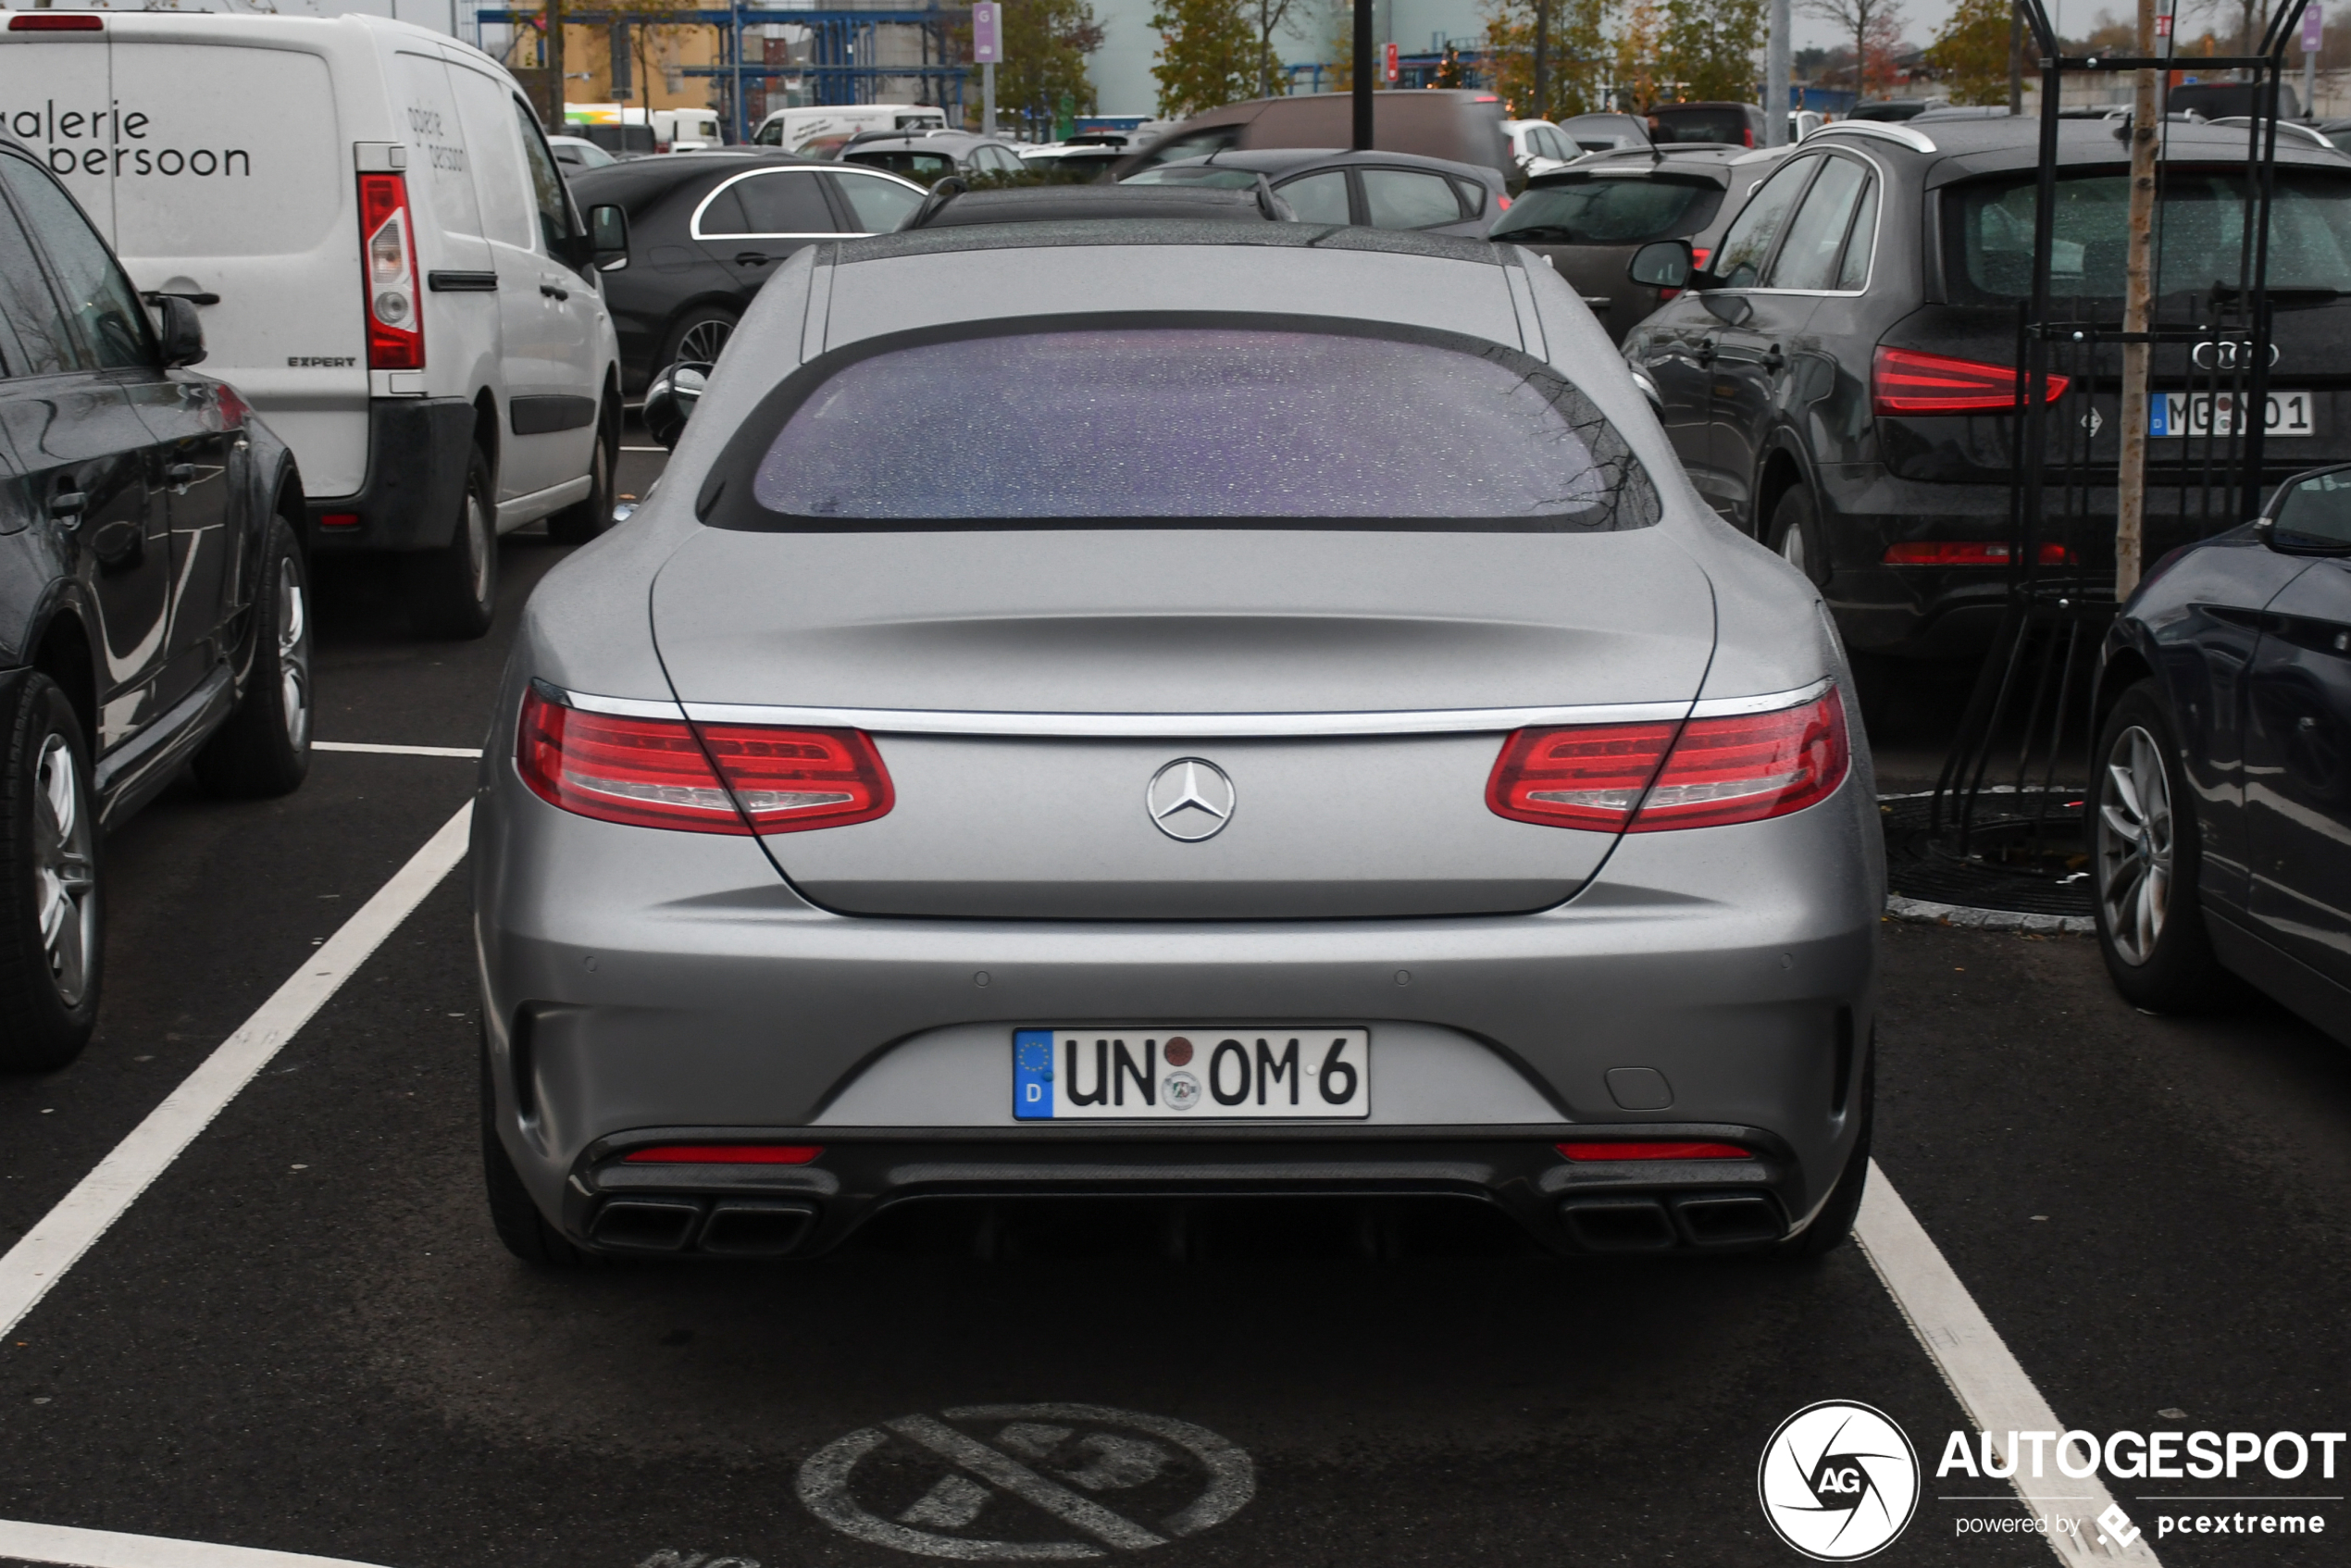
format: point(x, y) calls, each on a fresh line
point(1204, 1074)
point(2216, 414)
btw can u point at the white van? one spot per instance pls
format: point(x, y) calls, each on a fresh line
point(386, 261)
point(821, 131)
point(670, 131)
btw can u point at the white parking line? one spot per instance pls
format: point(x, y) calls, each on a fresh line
point(105, 1549)
point(43, 1254)
point(395, 750)
point(1991, 1386)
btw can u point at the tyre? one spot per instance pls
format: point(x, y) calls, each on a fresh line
point(520, 1225)
point(587, 519)
point(1834, 1226)
point(264, 747)
point(452, 592)
point(1796, 534)
point(698, 337)
point(2146, 858)
point(51, 924)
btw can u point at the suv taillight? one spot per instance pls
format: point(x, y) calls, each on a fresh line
point(703, 779)
point(388, 267)
point(1905, 381)
point(1701, 772)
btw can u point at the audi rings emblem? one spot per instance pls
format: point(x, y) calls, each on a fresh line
point(2226, 354)
point(1189, 799)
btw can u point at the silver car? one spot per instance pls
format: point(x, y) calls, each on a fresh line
point(1165, 710)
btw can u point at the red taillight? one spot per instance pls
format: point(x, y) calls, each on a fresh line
point(1697, 256)
point(1505, 200)
point(659, 773)
point(723, 1154)
point(1649, 1151)
point(54, 22)
point(1908, 382)
point(388, 268)
point(1967, 552)
point(1746, 137)
point(337, 519)
point(1702, 773)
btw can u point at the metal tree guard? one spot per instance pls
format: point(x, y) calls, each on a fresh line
point(2004, 824)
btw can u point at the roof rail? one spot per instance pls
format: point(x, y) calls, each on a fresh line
point(1917, 141)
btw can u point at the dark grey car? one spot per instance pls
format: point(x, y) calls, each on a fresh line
point(1287, 726)
point(1373, 190)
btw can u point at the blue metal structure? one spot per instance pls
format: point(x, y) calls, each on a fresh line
point(841, 40)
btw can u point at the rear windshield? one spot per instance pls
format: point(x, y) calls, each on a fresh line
point(1726, 124)
point(1610, 212)
point(1988, 229)
point(924, 167)
point(1221, 424)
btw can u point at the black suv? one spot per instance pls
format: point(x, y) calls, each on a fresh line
point(153, 607)
point(1839, 379)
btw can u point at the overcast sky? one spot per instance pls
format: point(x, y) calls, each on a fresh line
point(1923, 18)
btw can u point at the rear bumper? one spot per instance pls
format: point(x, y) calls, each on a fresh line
point(716, 1211)
point(417, 453)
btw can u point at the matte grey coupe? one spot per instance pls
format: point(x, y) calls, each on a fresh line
point(1175, 711)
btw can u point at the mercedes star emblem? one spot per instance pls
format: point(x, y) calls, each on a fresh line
point(1190, 798)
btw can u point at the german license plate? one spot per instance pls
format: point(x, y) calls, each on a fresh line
point(2217, 414)
point(1210, 1073)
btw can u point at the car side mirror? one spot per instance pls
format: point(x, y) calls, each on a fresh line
point(671, 399)
point(2310, 514)
point(607, 238)
point(1662, 263)
point(183, 330)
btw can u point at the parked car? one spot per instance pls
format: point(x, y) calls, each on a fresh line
point(412, 301)
point(1538, 145)
point(1848, 401)
point(949, 205)
point(156, 598)
point(1376, 189)
point(2336, 132)
point(2218, 100)
point(1731, 125)
point(1589, 220)
point(575, 153)
point(1081, 157)
point(1895, 110)
point(1376, 771)
point(1454, 123)
point(2222, 821)
point(922, 157)
point(705, 229)
point(818, 130)
point(1605, 132)
point(2288, 130)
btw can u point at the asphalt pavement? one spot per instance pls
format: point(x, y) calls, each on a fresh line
point(305, 1338)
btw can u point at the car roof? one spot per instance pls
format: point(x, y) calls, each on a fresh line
point(1711, 158)
point(1153, 233)
point(954, 141)
point(1286, 160)
point(1957, 148)
point(1087, 203)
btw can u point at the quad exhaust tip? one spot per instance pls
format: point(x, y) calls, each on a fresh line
point(730, 1228)
point(1651, 1225)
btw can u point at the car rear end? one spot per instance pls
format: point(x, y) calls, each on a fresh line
point(1590, 220)
point(1143, 789)
point(1924, 566)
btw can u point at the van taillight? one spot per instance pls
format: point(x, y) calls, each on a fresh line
point(1701, 772)
point(703, 779)
point(387, 236)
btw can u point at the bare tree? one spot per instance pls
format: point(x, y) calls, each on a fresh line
point(1867, 22)
point(1272, 17)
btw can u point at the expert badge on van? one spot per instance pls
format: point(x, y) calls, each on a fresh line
point(388, 265)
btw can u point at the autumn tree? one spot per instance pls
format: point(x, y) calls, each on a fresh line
point(1576, 57)
point(1708, 47)
point(1046, 42)
point(1973, 51)
point(1639, 40)
point(1210, 54)
point(1270, 16)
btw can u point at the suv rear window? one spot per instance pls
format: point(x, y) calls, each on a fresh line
point(1221, 425)
point(1728, 123)
point(2199, 232)
point(1610, 212)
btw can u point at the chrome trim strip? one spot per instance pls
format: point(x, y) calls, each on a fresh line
point(1152, 726)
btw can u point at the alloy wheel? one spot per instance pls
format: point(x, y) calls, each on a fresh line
point(478, 545)
point(65, 877)
point(294, 653)
point(702, 342)
point(2135, 845)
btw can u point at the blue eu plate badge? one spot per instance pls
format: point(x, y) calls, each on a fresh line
point(1033, 1074)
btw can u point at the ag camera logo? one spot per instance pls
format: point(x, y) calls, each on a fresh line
point(1840, 1481)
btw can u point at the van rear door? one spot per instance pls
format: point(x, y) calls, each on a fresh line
point(178, 148)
